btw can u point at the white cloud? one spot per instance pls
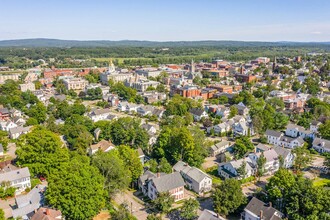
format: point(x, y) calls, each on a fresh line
point(316, 32)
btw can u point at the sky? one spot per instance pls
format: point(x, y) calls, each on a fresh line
point(166, 20)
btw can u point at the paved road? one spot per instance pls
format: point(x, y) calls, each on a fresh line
point(134, 203)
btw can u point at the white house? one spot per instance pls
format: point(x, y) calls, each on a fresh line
point(18, 178)
point(258, 210)
point(195, 179)
point(290, 142)
point(272, 161)
point(99, 114)
point(131, 107)
point(198, 114)
point(293, 130)
point(7, 125)
point(14, 133)
point(273, 137)
point(219, 148)
point(321, 145)
point(172, 183)
point(314, 126)
point(122, 106)
point(229, 169)
point(288, 157)
point(145, 110)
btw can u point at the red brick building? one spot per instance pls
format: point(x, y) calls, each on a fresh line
point(245, 78)
point(222, 88)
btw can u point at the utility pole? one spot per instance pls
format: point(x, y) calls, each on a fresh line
point(131, 208)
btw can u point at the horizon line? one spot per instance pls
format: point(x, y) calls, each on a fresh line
point(166, 41)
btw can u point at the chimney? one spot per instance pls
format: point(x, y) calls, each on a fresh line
point(158, 175)
point(270, 204)
point(261, 214)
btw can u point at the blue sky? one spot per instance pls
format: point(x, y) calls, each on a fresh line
point(166, 20)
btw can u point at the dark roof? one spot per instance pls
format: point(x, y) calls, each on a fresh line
point(196, 111)
point(274, 133)
point(4, 111)
point(269, 213)
point(168, 182)
point(282, 151)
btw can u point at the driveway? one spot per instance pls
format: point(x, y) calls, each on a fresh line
point(11, 150)
point(5, 205)
point(209, 162)
point(135, 205)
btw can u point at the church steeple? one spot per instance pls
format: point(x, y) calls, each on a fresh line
point(111, 67)
point(274, 64)
point(192, 66)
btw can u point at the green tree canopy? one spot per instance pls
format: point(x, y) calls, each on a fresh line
point(228, 197)
point(77, 189)
point(41, 150)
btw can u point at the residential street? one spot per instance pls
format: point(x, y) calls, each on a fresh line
point(134, 203)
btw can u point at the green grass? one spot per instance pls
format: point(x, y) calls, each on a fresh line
point(321, 181)
point(213, 172)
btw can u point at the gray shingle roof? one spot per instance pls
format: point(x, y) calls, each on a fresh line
point(196, 111)
point(321, 142)
point(274, 133)
point(282, 151)
point(27, 204)
point(16, 174)
point(269, 213)
point(168, 182)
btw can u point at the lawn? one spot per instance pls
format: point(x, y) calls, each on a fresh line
point(213, 172)
point(321, 181)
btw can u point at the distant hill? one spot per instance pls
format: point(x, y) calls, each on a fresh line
point(43, 42)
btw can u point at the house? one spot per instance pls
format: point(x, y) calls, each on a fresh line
point(242, 109)
point(4, 113)
point(19, 120)
point(242, 129)
point(223, 112)
point(27, 204)
point(219, 148)
point(321, 145)
point(130, 107)
point(151, 129)
point(14, 133)
point(258, 210)
point(209, 215)
point(230, 169)
point(144, 180)
point(122, 106)
point(220, 128)
point(198, 114)
point(18, 178)
point(314, 126)
point(47, 214)
point(99, 114)
point(272, 161)
point(287, 156)
point(273, 137)
point(195, 179)
point(290, 142)
point(141, 155)
point(261, 148)
point(158, 112)
point(7, 125)
point(103, 146)
point(172, 183)
point(293, 130)
point(145, 110)
point(15, 113)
